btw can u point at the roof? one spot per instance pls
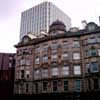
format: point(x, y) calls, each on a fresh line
point(64, 34)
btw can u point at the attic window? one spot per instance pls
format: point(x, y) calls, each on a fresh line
point(25, 39)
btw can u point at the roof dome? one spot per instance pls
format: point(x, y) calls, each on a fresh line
point(57, 25)
point(91, 26)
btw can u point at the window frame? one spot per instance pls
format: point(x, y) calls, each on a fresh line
point(78, 86)
point(76, 57)
point(65, 70)
point(91, 67)
point(77, 70)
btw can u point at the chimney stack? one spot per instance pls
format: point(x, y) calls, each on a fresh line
point(84, 23)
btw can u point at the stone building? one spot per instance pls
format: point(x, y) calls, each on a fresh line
point(60, 62)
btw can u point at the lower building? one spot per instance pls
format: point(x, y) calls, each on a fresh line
point(7, 70)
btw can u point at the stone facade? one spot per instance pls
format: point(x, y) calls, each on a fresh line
point(62, 62)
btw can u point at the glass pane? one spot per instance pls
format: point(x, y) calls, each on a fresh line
point(77, 70)
point(54, 71)
point(65, 85)
point(94, 67)
point(77, 85)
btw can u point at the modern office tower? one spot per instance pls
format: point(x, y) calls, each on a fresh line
point(40, 17)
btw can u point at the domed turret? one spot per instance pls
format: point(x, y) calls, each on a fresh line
point(57, 26)
point(91, 26)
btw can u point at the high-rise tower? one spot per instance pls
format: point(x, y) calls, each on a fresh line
point(40, 17)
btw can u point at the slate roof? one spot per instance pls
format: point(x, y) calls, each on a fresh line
point(62, 35)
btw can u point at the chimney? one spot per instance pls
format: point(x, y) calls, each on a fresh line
point(84, 23)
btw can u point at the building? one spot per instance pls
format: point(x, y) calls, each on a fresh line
point(59, 63)
point(7, 70)
point(40, 17)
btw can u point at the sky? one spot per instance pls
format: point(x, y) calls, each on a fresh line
point(10, 17)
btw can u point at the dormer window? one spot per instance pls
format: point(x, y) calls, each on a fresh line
point(25, 39)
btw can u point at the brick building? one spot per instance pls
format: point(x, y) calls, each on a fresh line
point(60, 62)
point(7, 69)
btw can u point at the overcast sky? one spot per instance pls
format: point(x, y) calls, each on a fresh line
point(10, 12)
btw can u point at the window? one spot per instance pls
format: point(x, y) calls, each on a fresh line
point(86, 53)
point(37, 49)
point(22, 62)
point(99, 52)
point(76, 44)
point(93, 52)
point(22, 73)
point(54, 57)
point(77, 85)
point(25, 51)
point(37, 60)
point(55, 86)
point(36, 74)
point(94, 67)
point(19, 52)
point(44, 73)
point(64, 45)
point(45, 86)
point(87, 68)
point(45, 58)
point(76, 56)
point(45, 47)
point(36, 87)
point(54, 71)
point(10, 64)
point(98, 38)
point(27, 74)
point(27, 62)
point(77, 70)
point(84, 41)
point(91, 40)
point(27, 88)
point(65, 70)
point(64, 55)
point(54, 45)
point(65, 85)
point(96, 83)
